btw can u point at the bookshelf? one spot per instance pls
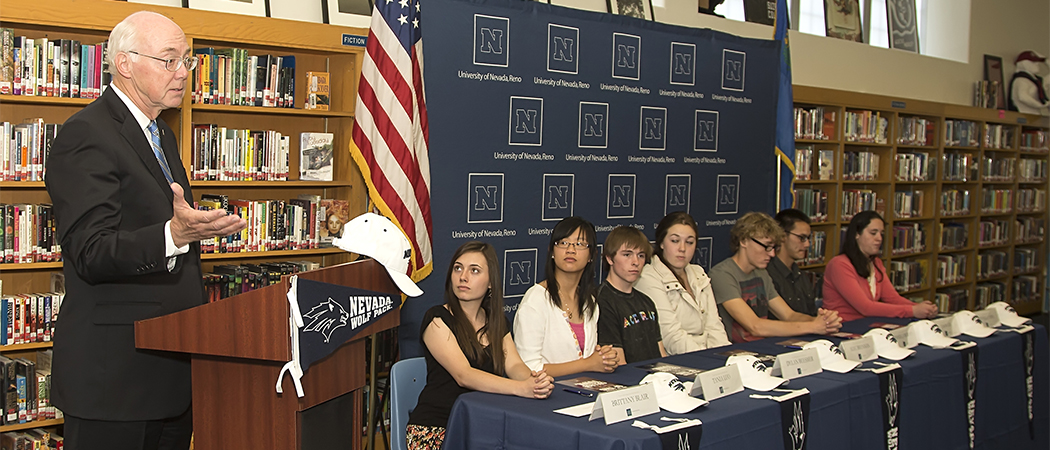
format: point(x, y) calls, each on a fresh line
point(962, 189)
point(316, 47)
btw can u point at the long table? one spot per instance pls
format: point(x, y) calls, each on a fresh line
point(845, 409)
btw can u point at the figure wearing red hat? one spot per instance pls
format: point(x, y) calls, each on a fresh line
point(1028, 90)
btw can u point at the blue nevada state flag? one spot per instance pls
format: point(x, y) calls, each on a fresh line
point(325, 316)
point(785, 132)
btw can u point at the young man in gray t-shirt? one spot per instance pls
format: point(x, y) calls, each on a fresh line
point(745, 294)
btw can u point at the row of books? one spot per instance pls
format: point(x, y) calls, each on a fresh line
point(994, 168)
point(996, 200)
point(1032, 170)
point(1025, 260)
point(1031, 200)
point(988, 94)
point(27, 389)
point(914, 167)
point(24, 148)
point(866, 126)
point(998, 136)
point(228, 280)
point(989, 292)
point(230, 76)
point(863, 166)
point(951, 268)
point(857, 200)
point(28, 234)
point(812, 202)
point(810, 162)
point(954, 235)
point(226, 154)
point(1026, 288)
point(1029, 229)
point(51, 68)
point(28, 318)
point(300, 223)
point(908, 275)
point(908, 204)
point(35, 439)
point(992, 264)
point(951, 300)
point(959, 167)
point(818, 242)
point(908, 237)
point(1034, 141)
point(993, 232)
point(916, 131)
point(955, 202)
point(961, 133)
point(817, 123)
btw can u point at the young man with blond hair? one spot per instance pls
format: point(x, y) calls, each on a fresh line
point(744, 291)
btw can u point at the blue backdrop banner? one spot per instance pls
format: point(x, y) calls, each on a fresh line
point(539, 112)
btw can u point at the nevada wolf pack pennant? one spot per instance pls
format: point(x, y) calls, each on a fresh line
point(322, 317)
point(891, 385)
point(969, 373)
point(794, 418)
point(682, 439)
point(334, 314)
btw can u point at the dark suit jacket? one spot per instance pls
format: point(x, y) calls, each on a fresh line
point(111, 202)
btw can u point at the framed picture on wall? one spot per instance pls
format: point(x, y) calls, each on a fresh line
point(904, 32)
point(296, 10)
point(348, 13)
point(993, 74)
point(248, 7)
point(842, 19)
point(760, 11)
point(642, 9)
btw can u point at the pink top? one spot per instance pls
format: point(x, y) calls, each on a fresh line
point(850, 295)
point(577, 329)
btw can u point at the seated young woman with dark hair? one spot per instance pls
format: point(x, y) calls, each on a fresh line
point(468, 346)
point(855, 281)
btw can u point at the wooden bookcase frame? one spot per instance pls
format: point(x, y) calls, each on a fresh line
point(317, 47)
point(886, 184)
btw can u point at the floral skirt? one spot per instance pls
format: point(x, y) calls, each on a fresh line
point(421, 437)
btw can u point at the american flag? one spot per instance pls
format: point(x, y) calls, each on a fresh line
point(390, 134)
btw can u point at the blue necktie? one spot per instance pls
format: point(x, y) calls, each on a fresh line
point(155, 144)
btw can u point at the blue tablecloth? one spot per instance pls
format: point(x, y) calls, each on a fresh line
point(845, 409)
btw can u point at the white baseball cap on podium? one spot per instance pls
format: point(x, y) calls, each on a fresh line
point(376, 236)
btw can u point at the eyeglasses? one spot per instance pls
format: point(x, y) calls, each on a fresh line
point(767, 247)
point(173, 64)
point(801, 237)
point(577, 245)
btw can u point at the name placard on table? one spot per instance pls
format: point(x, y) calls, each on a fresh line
point(630, 403)
point(797, 364)
point(718, 383)
point(862, 349)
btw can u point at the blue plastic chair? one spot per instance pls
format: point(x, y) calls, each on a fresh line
point(407, 378)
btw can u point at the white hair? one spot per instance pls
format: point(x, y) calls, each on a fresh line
point(125, 36)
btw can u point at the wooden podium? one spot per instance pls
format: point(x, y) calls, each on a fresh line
point(238, 346)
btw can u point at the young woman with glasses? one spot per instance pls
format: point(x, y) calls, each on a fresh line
point(556, 325)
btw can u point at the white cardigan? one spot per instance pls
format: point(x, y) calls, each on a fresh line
point(543, 336)
point(686, 324)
